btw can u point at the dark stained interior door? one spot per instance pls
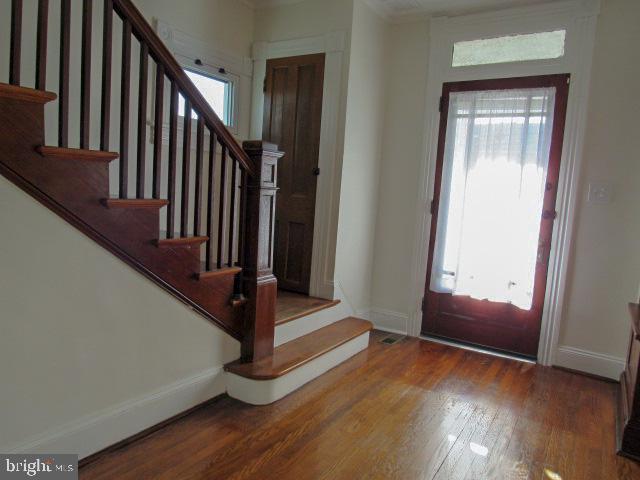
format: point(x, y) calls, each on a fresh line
point(497, 325)
point(292, 114)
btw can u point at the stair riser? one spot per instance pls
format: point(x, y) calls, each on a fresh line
point(309, 323)
point(264, 392)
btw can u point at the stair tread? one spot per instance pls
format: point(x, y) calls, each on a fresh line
point(302, 350)
point(77, 154)
point(134, 202)
point(291, 306)
point(180, 241)
point(217, 272)
point(26, 94)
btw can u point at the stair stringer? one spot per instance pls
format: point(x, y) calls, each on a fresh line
point(74, 189)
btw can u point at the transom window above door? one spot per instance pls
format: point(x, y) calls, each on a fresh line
point(509, 48)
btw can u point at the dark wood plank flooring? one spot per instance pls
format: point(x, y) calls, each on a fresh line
point(415, 409)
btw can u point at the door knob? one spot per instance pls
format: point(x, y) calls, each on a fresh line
point(316, 171)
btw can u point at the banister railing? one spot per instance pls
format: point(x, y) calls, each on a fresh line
point(221, 196)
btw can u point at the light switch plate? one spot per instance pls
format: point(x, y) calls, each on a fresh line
point(600, 193)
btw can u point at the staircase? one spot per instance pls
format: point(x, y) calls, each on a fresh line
point(215, 202)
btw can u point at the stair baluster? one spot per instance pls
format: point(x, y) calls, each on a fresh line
point(63, 89)
point(16, 42)
point(221, 206)
point(186, 169)
point(125, 97)
point(142, 121)
point(85, 76)
point(173, 145)
point(157, 131)
point(197, 206)
point(105, 105)
point(41, 44)
point(209, 250)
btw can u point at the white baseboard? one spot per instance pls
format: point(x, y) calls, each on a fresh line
point(263, 392)
point(92, 433)
point(590, 362)
point(388, 320)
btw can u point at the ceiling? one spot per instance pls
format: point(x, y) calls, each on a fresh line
point(407, 9)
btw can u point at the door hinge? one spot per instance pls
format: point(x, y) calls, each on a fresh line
point(441, 105)
point(422, 304)
point(432, 208)
point(264, 85)
point(549, 214)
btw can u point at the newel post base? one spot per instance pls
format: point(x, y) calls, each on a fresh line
point(258, 283)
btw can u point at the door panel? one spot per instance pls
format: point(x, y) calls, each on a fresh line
point(292, 114)
point(493, 324)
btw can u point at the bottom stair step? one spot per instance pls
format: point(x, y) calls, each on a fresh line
point(297, 362)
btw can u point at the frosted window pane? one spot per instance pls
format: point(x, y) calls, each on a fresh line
point(214, 91)
point(513, 48)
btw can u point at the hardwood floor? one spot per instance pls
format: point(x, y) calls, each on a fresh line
point(415, 409)
point(290, 306)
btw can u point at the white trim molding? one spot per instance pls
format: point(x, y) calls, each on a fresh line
point(182, 43)
point(599, 364)
point(388, 320)
point(330, 154)
point(91, 433)
point(578, 18)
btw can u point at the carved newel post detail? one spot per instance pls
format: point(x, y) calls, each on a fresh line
point(259, 284)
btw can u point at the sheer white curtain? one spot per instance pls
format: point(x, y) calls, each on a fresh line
point(493, 184)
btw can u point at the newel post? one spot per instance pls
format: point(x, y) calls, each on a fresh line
point(259, 284)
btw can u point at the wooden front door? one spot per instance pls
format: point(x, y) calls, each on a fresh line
point(292, 114)
point(473, 157)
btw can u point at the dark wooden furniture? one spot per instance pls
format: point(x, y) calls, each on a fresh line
point(629, 395)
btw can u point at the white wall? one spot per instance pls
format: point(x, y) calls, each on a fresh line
point(403, 151)
point(605, 268)
point(303, 19)
point(90, 350)
point(365, 117)
point(225, 24)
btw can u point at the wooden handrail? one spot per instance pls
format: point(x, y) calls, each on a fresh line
point(161, 54)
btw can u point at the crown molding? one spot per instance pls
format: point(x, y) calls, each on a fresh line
point(264, 4)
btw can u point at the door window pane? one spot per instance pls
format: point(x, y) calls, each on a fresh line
point(492, 192)
point(512, 48)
